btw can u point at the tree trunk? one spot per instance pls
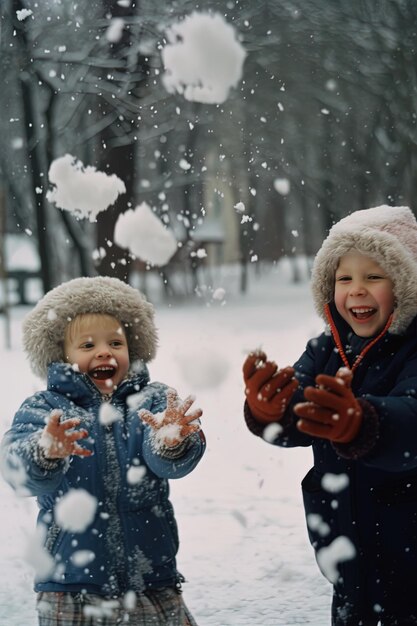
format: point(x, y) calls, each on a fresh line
point(119, 160)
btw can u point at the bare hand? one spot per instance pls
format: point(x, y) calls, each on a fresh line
point(59, 440)
point(173, 425)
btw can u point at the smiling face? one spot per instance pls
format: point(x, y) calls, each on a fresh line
point(364, 294)
point(97, 345)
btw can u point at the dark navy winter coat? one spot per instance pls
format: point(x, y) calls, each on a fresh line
point(377, 511)
point(134, 534)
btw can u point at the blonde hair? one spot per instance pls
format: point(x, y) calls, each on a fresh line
point(44, 327)
point(98, 319)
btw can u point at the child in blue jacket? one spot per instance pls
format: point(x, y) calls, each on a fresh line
point(97, 448)
point(352, 397)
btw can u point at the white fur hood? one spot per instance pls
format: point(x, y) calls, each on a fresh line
point(44, 326)
point(388, 235)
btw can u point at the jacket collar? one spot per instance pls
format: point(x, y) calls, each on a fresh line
point(351, 347)
point(78, 387)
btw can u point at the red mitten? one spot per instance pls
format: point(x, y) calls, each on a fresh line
point(332, 411)
point(268, 389)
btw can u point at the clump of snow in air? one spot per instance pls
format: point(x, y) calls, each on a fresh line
point(15, 473)
point(135, 474)
point(240, 207)
point(37, 556)
point(130, 600)
point(219, 294)
point(106, 608)
point(108, 414)
point(17, 143)
point(201, 253)
point(203, 59)
point(316, 523)
point(81, 558)
point(203, 370)
point(22, 14)
point(184, 164)
point(82, 190)
point(75, 511)
point(145, 236)
point(341, 549)
point(282, 186)
point(271, 432)
point(333, 483)
point(115, 30)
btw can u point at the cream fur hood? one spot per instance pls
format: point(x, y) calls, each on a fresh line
point(388, 235)
point(44, 326)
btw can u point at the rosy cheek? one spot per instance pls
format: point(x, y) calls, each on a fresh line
point(338, 299)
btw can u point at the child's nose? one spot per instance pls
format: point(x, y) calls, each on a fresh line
point(103, 351)
point(357, 288)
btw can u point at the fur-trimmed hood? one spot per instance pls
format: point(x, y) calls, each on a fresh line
point(388, 235)
point(44, 327)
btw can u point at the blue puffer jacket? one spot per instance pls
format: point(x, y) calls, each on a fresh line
point(134, 534)
point(377, 511)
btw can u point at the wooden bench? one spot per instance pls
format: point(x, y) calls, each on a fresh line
point(21, 278)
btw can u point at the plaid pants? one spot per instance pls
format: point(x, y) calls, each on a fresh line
point(164, 607)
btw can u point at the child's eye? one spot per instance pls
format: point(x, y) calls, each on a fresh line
point(87, 345)
point(375, 277)
point(116, 343)
point(343, 279)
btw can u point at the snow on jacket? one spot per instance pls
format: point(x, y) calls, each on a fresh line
point(133, 536)
point(376, 507)
point(377, 510)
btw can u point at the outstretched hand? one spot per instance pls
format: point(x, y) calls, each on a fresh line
point(59, 439)
point(173, 425)
point(268, 389)
point(331, 411)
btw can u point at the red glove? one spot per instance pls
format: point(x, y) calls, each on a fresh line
point(268, 389)
point(332, 411)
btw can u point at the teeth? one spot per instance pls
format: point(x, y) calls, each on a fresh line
point(362, 310)
point(104, 368)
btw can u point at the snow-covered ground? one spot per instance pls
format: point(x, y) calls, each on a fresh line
point(244, 547)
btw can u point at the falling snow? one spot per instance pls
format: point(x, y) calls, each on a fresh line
point(76, 510)
point(241, 509)
point(80, 189)
point(144, 235)
point(203, 58)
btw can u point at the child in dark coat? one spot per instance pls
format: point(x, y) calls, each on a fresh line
point(97, 448)
point(352, 396)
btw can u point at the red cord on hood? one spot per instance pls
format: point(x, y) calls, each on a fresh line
point(338, 342)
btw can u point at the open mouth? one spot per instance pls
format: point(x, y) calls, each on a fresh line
point(362, 313)
point(103, 372)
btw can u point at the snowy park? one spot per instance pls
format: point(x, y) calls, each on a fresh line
point(243, 541)
point(199, 153)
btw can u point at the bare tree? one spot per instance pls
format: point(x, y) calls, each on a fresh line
point(327, 101)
